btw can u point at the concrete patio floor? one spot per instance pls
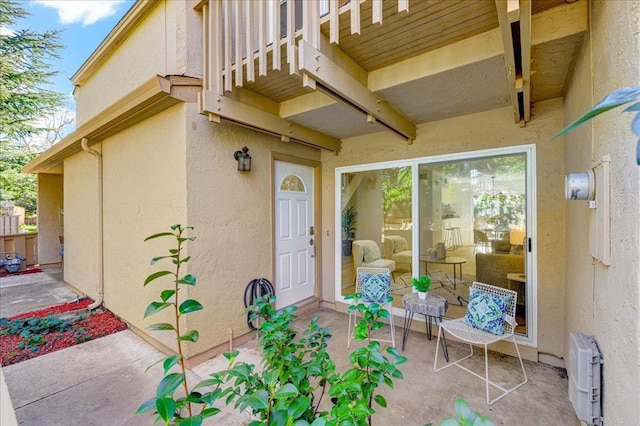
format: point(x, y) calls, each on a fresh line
point(104, 381)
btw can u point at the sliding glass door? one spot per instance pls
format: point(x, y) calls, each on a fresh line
point(473, 223)
point(457, 218)
point(374, 206)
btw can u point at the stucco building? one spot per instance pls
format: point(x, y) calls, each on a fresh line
point(361, 93)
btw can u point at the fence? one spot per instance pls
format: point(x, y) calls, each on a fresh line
point(9, 225)
point(25, 244)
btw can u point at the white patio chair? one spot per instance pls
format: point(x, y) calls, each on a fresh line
point(493, 304)
point(372, 290)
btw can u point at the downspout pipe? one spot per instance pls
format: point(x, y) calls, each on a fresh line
point(100, 272)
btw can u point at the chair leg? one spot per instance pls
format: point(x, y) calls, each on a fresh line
point(449, 362)
point(486, 373)
point(505, 392)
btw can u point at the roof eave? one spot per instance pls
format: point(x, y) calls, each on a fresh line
point(155, 95)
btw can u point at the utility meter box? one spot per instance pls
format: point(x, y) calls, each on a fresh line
point(585, 384)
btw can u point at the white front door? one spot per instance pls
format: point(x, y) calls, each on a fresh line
point(295, 250)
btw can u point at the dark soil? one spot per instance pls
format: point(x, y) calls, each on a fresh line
point(23, 336)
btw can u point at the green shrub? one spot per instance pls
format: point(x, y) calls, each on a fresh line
point(297, 372)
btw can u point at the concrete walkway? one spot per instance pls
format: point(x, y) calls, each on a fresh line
point(102, 382)
point(30, 292)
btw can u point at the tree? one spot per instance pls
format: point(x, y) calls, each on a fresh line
point(17, 186)
point(24, 72)
point(28, 110)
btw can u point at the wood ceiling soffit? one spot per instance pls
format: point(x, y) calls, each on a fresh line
point(455, 55)
point(256, 115)
point(429, 25)
point(337, 83)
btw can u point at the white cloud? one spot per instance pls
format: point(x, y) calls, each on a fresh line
point(86, 11)
point(6, 31)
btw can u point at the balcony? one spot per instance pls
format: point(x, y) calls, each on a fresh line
point(339, 69)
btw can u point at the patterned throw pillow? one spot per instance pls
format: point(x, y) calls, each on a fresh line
point(375, 287)
point(487, 311)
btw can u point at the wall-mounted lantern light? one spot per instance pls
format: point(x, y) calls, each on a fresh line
point(244, 159)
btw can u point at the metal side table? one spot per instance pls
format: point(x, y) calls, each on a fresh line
point(433, 307)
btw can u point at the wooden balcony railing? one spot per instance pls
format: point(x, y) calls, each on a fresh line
point(240, 33)
point(245, 40)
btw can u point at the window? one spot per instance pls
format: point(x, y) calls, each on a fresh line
point(479, 205)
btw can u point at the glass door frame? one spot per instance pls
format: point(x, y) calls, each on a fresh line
point(530, 252)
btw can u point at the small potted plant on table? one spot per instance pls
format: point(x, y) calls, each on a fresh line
point(422, 285)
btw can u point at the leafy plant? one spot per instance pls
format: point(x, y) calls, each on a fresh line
point(349, 221)
point(297, 373)
point(422, 284)
point(501, 210)
point(396, 193)
point(167, 406)
point(465, 417)
point(33, 330)
point(612, 100)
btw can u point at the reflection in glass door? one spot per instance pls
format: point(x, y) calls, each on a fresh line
point(458, 218)
point(377, 226)
point(473, 227)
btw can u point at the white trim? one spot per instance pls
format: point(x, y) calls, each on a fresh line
point(531, 339)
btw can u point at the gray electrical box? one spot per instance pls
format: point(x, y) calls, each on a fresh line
point(585, 392)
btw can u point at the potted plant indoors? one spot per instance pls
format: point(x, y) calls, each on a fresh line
point(348, 229)
point(422, 285)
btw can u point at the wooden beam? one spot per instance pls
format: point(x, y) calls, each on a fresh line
point(262, 39)
point(228, 75)
point(355, 17)
point(339, 84)
point(239, 42)
point(248, 21)
point(376, 16)
point(334, 21)
point(513, 10)
point(253, 116)
point(509, 57)
point(525, 48)
point(274, 6)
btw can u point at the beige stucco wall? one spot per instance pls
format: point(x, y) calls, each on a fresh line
point(81, 224)
point(468, 133)
point(50, 224)
point(232, 215)
point(156, 46)
point(144, 193)
point(605, 300)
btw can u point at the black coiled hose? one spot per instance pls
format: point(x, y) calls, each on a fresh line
point(254, 290)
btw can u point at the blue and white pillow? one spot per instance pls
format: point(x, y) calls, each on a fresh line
point(487, 311)
point(375, 288)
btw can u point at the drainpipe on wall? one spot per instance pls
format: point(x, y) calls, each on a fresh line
point(85, 146)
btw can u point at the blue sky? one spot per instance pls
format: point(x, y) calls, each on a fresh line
point(85, 23)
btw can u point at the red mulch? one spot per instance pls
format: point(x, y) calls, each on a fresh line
point(97, 324)
point(4, 273)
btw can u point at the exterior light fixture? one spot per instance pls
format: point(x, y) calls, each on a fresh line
point(244, 159)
